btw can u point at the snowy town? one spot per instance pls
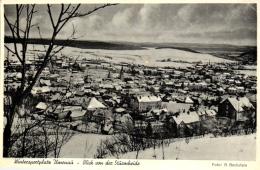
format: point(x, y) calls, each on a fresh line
point(80, 98)
point(101, 97)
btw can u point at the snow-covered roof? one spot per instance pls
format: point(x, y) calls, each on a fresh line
point(56, 97)
point(240, 88)
point(143, 99)
point(203, 83)
point(211, 112)
point(118, 87)
point(41, 105)
point(220, 89)
point(43, 89)
point(148, 99)
point(232, 88)
point(155, 99)
point(68, 94)
point(93, 103)
point(5, 122)
point(201, 113)
point(78, 113)
point(186, 118)
point(125, 118)
point(54, 75)
point(46, 82)
point(188, 100)
point(119, 110)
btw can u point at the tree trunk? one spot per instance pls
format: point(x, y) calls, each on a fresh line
point(8, 132)
point(7, 136)
point(162, 149)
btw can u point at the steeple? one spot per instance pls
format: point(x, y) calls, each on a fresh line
point(122, 73)
point(109, 75)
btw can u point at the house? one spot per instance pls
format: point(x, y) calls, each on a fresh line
point(238, 109)
point(176, 108)
point(143, 103)
point(220, 91)
point(100, 116)
point(240, 89)
point(56, 98)
point(210, 113)
point(118, 87)
point(65, 112)
point(93, 104)
point(232, 90)
point(41, 107)
point(165, 76)
point(76, 100)
point(188, 100)
point(159, 113)
point(77, 114)
point(169, 84)
point(202, 114)
point(155, 89)
point(44, 89)
point(216, 78)
point(187, 123)
point(45, 82)
point(123, 122)
point(79, 93)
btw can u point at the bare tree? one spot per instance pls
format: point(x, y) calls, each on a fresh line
point(20, 36)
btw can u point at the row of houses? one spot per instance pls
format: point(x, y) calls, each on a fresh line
point(183, 96)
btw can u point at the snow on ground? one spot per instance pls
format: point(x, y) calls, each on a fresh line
point(248, 72)
point(146, 57)
point(82, 146)
point(239, 148)
point(250, 67)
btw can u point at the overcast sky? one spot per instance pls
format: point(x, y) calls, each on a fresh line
point(185, 23)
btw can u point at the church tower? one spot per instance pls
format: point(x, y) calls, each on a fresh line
point(121, 76)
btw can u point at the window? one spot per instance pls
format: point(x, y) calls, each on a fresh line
point(227, 107)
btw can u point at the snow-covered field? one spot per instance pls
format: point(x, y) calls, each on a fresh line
point(240, 148)
point(145, 57)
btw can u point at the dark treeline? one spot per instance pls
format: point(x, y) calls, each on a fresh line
point(84, 44)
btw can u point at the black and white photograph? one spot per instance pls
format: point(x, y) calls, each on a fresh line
point(130, 81)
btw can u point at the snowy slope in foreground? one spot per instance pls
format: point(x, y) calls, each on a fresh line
point(239, 148)
point(82, 146)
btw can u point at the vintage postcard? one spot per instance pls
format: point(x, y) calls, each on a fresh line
point(129, 84)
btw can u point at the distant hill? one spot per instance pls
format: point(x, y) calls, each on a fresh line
point(84, 44)
point(179, 48)
point(125, 45)
point(197, 47)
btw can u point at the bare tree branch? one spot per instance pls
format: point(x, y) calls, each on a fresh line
point(39, 31)
point(50, 15)
point(19, 95)
point(14, 38)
